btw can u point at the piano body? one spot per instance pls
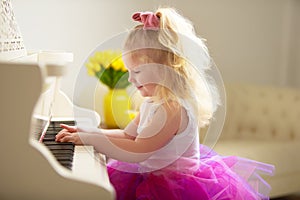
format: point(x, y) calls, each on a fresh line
point(28, 169)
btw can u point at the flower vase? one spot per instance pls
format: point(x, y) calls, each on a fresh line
point(116, 108)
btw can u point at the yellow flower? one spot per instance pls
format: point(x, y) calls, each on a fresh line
point(117, 64)
point(93, 67)
point(91, 72)
point(132, 114)
point(89, 65)
point(111, 66)
point(96, 67)
point(124, 69)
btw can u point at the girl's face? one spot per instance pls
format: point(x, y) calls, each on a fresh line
point(143, 76)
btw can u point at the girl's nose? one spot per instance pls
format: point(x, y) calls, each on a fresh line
point(131, 78)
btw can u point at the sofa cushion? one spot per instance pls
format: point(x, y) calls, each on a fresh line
point(262, 112)
point(283, 155)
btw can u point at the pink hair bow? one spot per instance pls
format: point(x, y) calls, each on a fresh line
point(149, 19)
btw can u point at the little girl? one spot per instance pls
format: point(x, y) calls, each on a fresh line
point(158, 156)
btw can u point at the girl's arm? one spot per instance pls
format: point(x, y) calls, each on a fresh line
point(130, 131)
point(155, 135)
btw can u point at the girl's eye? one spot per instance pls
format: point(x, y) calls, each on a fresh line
point(136, 72)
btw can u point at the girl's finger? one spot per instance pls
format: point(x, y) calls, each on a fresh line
point(69, 128)
point(61, 135)
point(68, 138)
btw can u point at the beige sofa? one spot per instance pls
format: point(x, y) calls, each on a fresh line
point(263, 123)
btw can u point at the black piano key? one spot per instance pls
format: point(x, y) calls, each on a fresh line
point(71, 122)
point(61, 151)
point(49, 138)
point(60, 147)
point(63, 157)
point(68, 167)
point(54, 129)
point(51, 132)
point(57, 143)
point(67, 164)
point(57, 124)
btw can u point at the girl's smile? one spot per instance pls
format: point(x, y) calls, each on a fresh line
point(139, 87)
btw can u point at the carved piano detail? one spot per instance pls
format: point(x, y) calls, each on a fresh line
point(29, 170)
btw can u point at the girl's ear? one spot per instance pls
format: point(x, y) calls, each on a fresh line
point(158, 14)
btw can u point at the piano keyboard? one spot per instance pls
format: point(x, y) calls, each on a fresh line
point(62, 151)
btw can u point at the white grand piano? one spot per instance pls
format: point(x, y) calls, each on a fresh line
point(29, 169)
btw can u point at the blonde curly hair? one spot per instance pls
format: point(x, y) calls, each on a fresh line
point(166, 46)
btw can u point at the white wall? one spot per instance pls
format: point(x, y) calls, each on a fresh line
point(251, 41)
point(294, 59)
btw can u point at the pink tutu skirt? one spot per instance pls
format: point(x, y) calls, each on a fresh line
point(217, 178)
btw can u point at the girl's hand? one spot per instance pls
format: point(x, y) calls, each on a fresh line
point(86, 129)
point(68, 134)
